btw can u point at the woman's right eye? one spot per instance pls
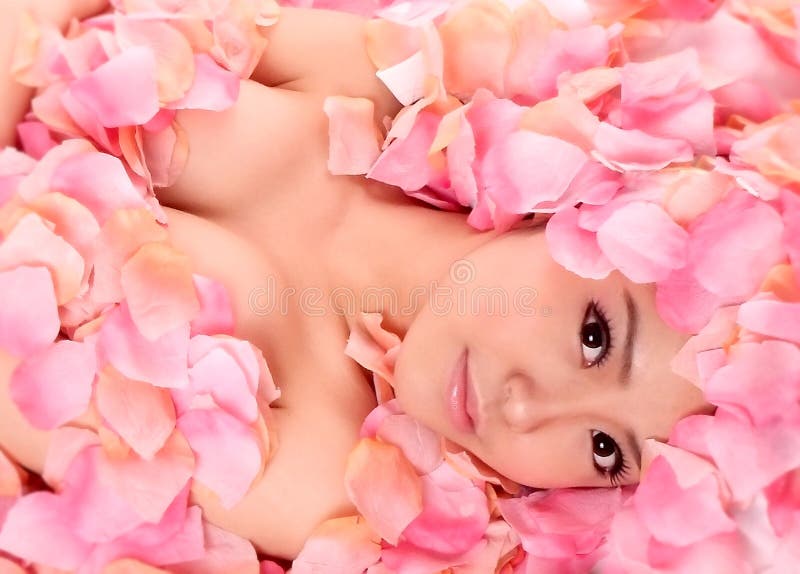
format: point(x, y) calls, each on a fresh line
point(595, 336)
point(608, 459)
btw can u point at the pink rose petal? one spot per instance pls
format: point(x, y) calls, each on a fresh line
point(339, 545)
point(123, 91)
point(53, 386)
point(162, 362)
point(214, 88)
point(574, 248)
point(643, 241)
point(32, 323)
point(384, 487)
point(635, 150)
point(527, 168)
point(141, 414)
point(157, 283)
point(228, 454)
point(215, 316)
point(777, 319)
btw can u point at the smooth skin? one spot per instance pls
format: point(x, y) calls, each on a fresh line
point(296, 283)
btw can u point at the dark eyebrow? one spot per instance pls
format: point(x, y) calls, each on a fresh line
point(627, 364)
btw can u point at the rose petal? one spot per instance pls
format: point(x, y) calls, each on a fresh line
point(352, 135)
point(32, 323)
point(123, 91)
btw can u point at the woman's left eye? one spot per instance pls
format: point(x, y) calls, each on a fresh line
point(595, 336)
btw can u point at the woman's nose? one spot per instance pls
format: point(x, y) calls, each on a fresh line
point(529, 403)
point(519, 409)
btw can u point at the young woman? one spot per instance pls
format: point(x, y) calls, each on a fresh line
point(562, 383)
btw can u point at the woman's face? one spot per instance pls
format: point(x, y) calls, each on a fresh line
point(565, 377)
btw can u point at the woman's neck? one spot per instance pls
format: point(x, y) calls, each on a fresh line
point(392, 253)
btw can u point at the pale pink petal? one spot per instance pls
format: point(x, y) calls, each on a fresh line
point(141, 414)
point(162, 362)
point(353, 137)
point(527, 168)
point(247, 356)
point(734, 244)
point(31, 242)
point(215, 316)
point(228, 454)
point(384, 487)
point(123, 91)
point(32, 323)
point(718, 331)
point(43, 516)
point(635, 150)
point(157, 283)
point(643, 242)
point(53, 386)
point(214, 88)
point(574, 248)
point(406, 79)
point(337, 546)
point(455, 514)
point(99, 181)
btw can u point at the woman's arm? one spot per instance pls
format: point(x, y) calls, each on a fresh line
point(15, 98)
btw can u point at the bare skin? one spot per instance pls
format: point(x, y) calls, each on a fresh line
point(236, 212)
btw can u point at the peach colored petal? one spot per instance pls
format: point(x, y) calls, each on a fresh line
point(31, 324)
point(384, 487)
point(352, 135)
point(339, 545)
point(174, 60)
point(141, 414)
point(481, 31)
point(157, 283)
point(575, 248)
point(122, 235)
point(32, 243)
point(65, 444)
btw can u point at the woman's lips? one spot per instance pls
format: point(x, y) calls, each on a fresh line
point(460, 399)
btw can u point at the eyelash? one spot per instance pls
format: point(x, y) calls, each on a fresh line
point(618, 471)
